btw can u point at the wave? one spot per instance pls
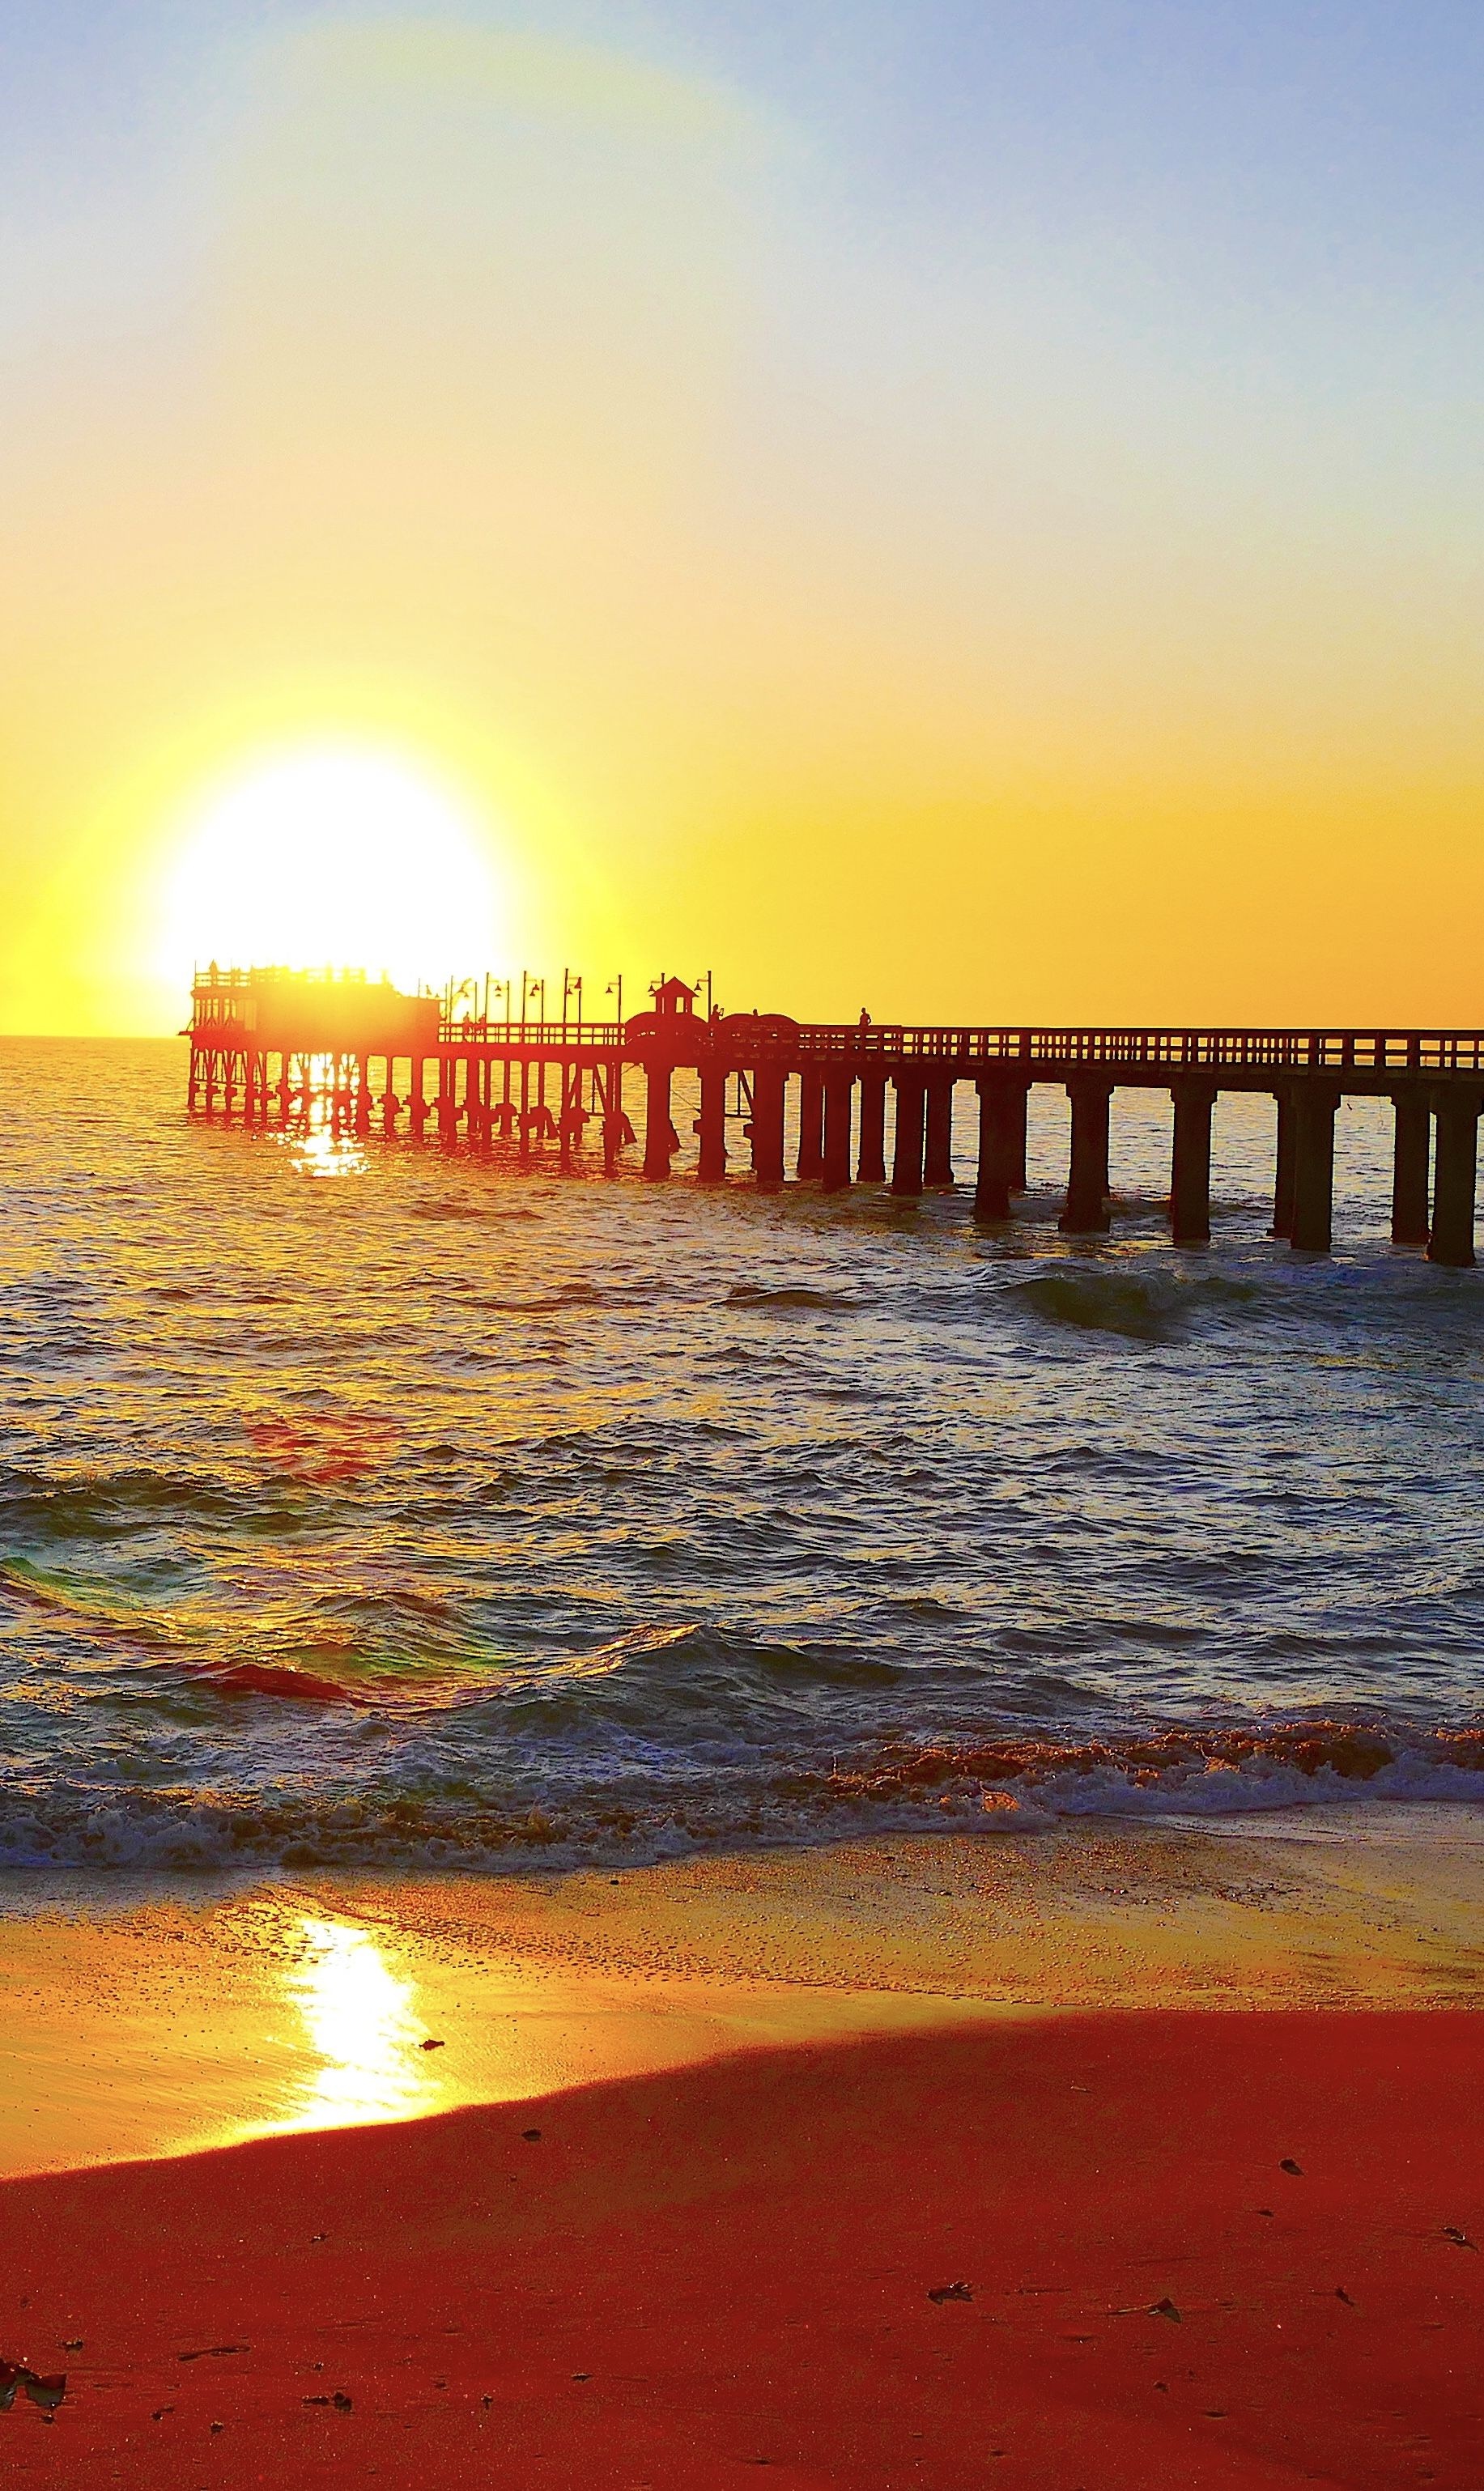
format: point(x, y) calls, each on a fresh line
point(1228, 1767)
point(1143, 1306)
point(520, 1818)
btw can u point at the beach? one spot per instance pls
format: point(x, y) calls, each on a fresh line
point(1134, 2154)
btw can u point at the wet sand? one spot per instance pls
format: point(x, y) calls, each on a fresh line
point(782, 2101)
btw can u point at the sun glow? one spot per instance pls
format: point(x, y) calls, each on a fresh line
point(333, 854)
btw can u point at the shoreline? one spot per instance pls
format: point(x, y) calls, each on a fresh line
point(161, 2016)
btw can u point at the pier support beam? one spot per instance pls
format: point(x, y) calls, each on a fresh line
point(938, 1154)
point(1002, 1145)
point(1314, 1167)
point(1190, 1162)
point(711, 1127)
point(1411, 1169)
point(416, 1100)
point(834, 1166)
point(1454, 1178)
point(910, 1116)
point(616, 1130)
point(810, 1160)
point(658, 1131)
point(1087, 1186)
point(871, 1148)
point(1285, 1161)
point(769, 1083)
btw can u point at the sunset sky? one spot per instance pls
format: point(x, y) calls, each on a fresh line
point(972, 507)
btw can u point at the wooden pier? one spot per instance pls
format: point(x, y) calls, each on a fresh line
point(277, 1046)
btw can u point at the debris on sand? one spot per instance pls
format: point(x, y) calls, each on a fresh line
point(951, 2292)
point(44, 2388)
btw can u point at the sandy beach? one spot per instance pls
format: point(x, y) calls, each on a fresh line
point(947, 2167)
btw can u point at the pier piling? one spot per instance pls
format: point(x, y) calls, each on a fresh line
point(938, 1148)
point(1002, 1145)
point(1190, 1166)
point(1454, 1179)
point(1087, 1214)
point(809, 1159)
point(834, 1162)
point(1313, 1168)
point(658, 1131)
point(1286, 1161)
point(911, 1117)
point(1411, 1170)
point(871, 1150)
point(767, 1092)
point(711, 1127)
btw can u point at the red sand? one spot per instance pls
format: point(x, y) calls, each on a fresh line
point(698, 2278)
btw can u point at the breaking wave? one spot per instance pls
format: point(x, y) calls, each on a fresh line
point(529, 1819)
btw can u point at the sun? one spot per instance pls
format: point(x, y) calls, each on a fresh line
point(333, 855)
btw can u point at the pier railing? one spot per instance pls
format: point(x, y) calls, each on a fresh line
point(1215, 1050)
point(735, 1039)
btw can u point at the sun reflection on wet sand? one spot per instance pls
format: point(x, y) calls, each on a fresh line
point(358, 2014)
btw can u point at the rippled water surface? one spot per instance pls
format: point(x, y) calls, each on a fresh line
point(367, 1503)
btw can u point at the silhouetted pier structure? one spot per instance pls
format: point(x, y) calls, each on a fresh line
point(273, 1046)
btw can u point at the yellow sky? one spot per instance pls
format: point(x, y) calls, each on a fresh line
point(863, 618)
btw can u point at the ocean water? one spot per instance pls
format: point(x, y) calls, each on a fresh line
point(364, 1505)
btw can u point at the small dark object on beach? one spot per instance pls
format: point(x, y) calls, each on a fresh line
point(1341, 2294)
point(486, 2402)
point(341, 2401)
point(160, 2412)
point(1269, 2211)
point(580, 2374)
point(316, 2400)
point(317, 2236)
point(1460, 2240)
point(74, 2345)
point(1161, 2387)
point(1165, 2310)
point(215, 2427)
point(213, 2352)
point(531, 2135)
point(46, 2390)
point(1293, 2169)
point(951, 2292)
point(432, 2045)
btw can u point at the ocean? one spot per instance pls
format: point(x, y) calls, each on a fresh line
point(366, 1506)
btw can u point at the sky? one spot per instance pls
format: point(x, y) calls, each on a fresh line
point(971, 510)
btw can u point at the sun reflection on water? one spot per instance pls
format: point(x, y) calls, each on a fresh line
point(318, 1147)
point(358, 2014)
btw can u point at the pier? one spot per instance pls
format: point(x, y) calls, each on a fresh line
point(275, 1046)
